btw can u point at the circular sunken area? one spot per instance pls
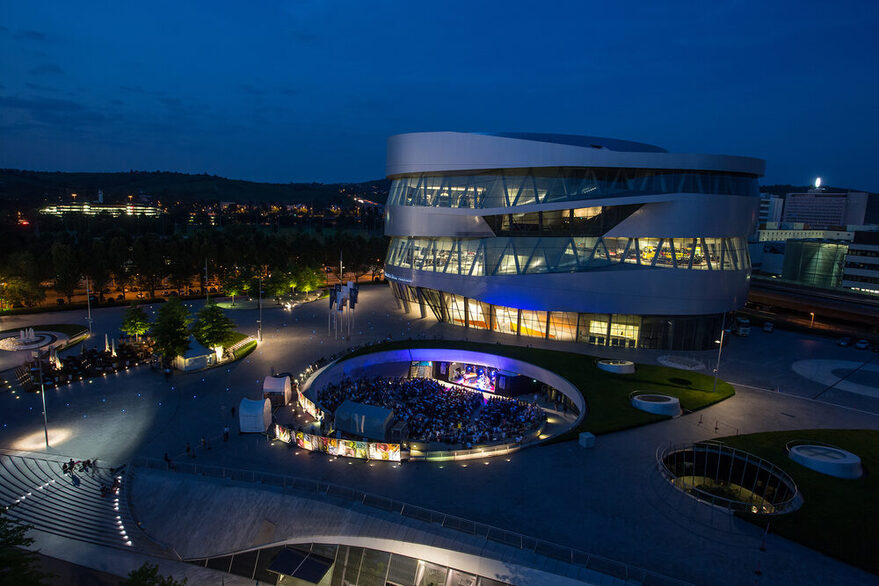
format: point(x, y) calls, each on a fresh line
point(731, 479)
point(826, 459)
point(26, 340)
point(503, 388)
point(617, 366)
point(656, 403)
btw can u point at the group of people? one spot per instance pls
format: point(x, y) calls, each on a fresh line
point(79, 466)
point(437, 413)
point(111, 490)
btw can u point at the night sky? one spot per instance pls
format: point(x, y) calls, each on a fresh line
point(310, 90)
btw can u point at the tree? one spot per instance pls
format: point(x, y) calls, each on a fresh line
point(235, 283)
point(170, 331)
point(308, 278)
point(150, 262)
point(182, 267)
point(135, 322)
point(119, 262)
point(148, 575)
point(278, 284)
point(212, 327)
point(20, 291)
point(96, 265)
point(16, 563)
point(67, 274)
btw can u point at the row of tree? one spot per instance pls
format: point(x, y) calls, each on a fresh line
point(173, 325)
point(235, 257)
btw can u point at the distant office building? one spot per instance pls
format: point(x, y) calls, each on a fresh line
point(815, 263)
point(862, 263)
point(775, 232)
point(821, 209)
point(570, 238)
point(770, 210)
point(93, 209)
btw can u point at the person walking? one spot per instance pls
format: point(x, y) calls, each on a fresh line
point(189, 451)
point(226, 433)
point(168, 460)
point(232, 410)
point(204, 443)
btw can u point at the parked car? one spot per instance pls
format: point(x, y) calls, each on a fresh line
point(60, 301)
point(120, 297)
point(768, 327)
point(862, 344)
point(845, 341)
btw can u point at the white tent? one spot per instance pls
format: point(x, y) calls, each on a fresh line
point(277, 390)
point(254, 416)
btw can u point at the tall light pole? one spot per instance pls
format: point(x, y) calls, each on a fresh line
point(43, 395)
point(719, 350)
point(259, 321)
point(88, 302)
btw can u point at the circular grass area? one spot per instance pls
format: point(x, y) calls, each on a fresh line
point(839, 515)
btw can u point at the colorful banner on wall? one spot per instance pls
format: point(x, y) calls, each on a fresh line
point(388, 452)
point(339, 447)
point(310, 407)
point(283, 434)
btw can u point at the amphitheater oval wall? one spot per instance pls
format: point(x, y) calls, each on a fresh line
point(353, 367)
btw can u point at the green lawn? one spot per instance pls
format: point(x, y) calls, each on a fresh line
point(245, 350)
point(70, 330)
point(606, 394)
point(838, 517)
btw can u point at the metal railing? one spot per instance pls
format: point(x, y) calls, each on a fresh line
point(667, 452)
point(488, 532)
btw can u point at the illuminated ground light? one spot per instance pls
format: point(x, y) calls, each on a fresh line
point(37, 439)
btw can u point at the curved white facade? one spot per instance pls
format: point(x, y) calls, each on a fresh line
point(570, 237)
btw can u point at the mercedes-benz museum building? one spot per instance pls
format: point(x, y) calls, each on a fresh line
point(569, 238)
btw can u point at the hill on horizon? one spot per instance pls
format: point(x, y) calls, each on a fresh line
point(42, 187)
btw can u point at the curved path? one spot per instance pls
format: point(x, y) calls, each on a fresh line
point(827, 373)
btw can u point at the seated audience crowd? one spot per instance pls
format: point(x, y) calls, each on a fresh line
point(436, 413)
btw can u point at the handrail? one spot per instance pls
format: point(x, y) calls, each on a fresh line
point(791, 503)
point(511, 538)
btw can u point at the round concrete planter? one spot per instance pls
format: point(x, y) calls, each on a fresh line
point(617, 366)
point(658, 404)
point(827, 460)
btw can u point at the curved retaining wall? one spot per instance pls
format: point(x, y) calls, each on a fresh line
point(349, 368)
point(343, 368)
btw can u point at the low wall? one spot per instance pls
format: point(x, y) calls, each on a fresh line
point(344, 368)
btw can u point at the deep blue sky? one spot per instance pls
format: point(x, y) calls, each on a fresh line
point(310, 90)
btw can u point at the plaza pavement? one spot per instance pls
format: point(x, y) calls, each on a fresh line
point(607, 500)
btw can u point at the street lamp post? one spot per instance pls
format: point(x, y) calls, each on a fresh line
point(719, 350)
point(43, 395)
point(88, 302)
point(259, 321)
